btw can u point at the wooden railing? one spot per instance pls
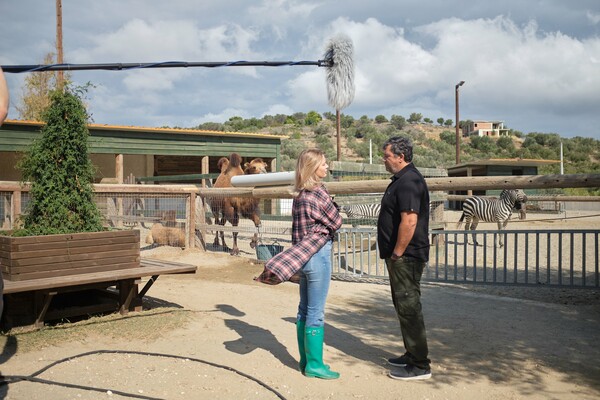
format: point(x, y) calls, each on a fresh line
point(12, 201)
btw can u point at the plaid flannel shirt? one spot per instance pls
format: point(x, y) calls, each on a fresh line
point(315, 221)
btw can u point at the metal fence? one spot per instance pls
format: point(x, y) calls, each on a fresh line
point(565, 257)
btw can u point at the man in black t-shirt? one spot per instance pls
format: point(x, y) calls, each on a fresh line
point(403, 239)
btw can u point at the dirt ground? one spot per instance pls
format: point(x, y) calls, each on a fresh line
point(218, 334)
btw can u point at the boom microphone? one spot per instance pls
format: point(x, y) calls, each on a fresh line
point(338, 60)
point(340, 75)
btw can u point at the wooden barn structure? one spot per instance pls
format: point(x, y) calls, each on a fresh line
point(172, 155)
point(493, 167)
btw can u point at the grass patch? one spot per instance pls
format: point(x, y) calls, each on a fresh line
point(140, 326)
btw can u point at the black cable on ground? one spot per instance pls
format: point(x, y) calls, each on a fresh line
point(18, 378)
point(6, 380)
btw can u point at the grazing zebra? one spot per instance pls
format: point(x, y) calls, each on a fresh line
point(361, 211)
point(491, 210)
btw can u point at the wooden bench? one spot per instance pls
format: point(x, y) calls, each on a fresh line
point(37, 294)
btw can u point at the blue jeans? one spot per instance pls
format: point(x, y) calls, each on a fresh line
point(315, 277)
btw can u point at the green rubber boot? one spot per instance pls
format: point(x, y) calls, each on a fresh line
point(313, 342)
point(300, 335)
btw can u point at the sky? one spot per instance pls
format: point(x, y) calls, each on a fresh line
point(535, 64)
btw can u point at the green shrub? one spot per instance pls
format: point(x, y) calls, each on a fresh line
point(60, 171)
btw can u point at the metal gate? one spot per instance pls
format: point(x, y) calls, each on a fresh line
point(561, 258)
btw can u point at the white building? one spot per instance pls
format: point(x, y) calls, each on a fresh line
point(484, 128)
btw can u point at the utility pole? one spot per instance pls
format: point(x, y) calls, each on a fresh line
point(338, 134)
point(60, 77)
point(458, 136)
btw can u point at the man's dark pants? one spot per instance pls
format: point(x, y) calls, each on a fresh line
point(405, 282)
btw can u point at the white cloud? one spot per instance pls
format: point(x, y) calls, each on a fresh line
point(537, 69)
point(280, 15)
point(593, 17)
point(139, 41)
point(149, 80)
point(222, 116)
point(278, 109)
point(506, 67)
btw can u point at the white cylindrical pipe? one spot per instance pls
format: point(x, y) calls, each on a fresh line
point(268, 179)
point(562, 169)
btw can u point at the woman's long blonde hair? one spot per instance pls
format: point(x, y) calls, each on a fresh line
point(306, 169)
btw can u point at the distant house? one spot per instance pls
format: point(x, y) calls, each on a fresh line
point(484, 128)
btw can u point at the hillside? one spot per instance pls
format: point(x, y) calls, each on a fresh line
point(434, 145)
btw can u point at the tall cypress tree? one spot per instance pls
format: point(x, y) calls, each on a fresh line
point(60, 171)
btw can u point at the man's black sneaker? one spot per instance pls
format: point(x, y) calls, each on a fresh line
point(410, 373)
point(401, 361)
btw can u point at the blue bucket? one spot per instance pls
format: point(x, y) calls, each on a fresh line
point(265, 252)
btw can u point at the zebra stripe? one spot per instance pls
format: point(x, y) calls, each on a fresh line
point(361, 210)
point(477, 209)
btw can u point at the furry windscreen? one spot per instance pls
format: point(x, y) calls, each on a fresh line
point(340, 76)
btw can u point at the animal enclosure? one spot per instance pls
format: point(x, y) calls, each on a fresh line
point(185, 209)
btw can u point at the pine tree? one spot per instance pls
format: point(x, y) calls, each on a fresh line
point(60, 171)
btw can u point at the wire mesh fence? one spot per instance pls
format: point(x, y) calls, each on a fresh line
point(162, 218)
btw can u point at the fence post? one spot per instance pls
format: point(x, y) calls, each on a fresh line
point(190, 212)
point(119, 180)
point(437, 219)
point(205, 169)
point(201, 219)
point(193, 213)
point(15, 208)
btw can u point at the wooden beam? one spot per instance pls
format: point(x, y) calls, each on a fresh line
point(514, 182)
point(530, 198)
point(352, 187)
point(205, 168)
point(16, 208)
point(119, 168)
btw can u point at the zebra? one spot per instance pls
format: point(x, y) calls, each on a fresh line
point(491, 210)
point(361, 211)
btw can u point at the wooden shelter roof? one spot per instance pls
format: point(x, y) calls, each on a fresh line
point(115, 139)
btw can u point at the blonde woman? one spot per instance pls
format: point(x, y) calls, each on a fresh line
point(313, 211)
point(315, 219)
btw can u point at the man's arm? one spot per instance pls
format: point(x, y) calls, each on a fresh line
point(406, 230)
point(4, 101)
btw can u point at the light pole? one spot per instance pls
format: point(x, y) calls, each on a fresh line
point(60, 77)
point(459, 84)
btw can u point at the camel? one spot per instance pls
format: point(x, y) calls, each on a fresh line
point(230, 208)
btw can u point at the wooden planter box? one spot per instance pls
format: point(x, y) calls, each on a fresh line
point(33, 257)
